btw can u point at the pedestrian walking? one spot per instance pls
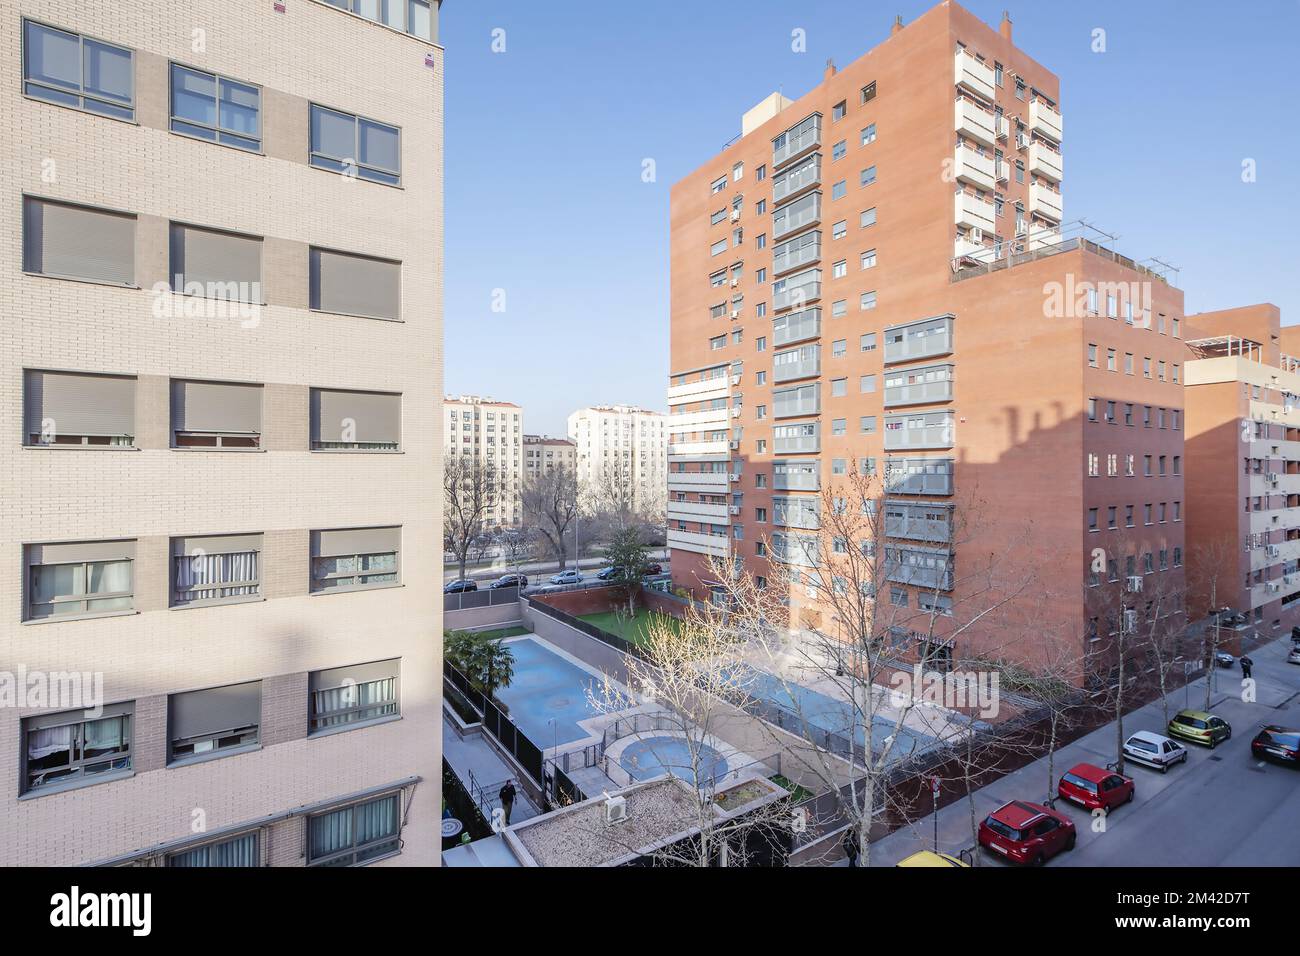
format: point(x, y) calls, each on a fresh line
point(851, 846)
point(1246, 665)
point(507, 795)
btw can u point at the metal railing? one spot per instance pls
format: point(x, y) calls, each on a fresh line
point(1054, 240)
point(488, 597)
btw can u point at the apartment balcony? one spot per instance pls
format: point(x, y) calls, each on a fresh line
point(1045, 161)
point(800, 251)
point(929, 568)
point(975, 123)
point(698, 511)
point(919, 522)
point(716, 545)
point(1001, 126)
point(927, 338)
point(699, 449)
point(807, 172)
point(1044, 119)
point(966, 248)
point(796, 327)
point(918, 476)
point(972, 167)
point(801, 513)
point(710, 483)
point(918, 431)
point(796, 475)
point(799, 550)
point(973, 212)
point(971, 74)
point(801, 439)
point(1044, 202)
point(795, 402)
point(797, 215)
point(803, 362)
point(918, 386)
point(797, 290)
point(797, 140)
point(700, 391)
point(710, 418)
point(1043, 238)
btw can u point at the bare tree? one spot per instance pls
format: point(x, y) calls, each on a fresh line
point(470, 489)
point(517, 547)
point(1208, 562)
point(550, 504)
point(843, 632)
point(688, 672)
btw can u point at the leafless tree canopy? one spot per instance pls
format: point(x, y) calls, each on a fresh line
point(470, 490)
point(550, 505)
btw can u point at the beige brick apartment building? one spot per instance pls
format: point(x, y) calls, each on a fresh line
point(223, 501)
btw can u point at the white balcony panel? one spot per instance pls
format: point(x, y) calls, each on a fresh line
point(974, 123)
point(709, 483)
point(711, 544)
point(698, 449)
point(969, 73)
point(698, 511)
point(972, 250)
point(1043, 119)
point(973, 212)
point(1044, 202)
point(1045, 162)
point(695, 421)
point(970, 167)
point(698, 391)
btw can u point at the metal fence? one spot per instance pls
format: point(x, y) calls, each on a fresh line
point(511, 738)
point(586, 627)
point(488, 597)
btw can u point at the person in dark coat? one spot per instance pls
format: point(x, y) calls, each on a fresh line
point(1246, 665)
point(851, 848)
point(507, 795)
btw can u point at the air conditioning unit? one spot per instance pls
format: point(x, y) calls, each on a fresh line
point(735, 215)
point(735, 509)
point(735, 380)
point(735, 413)
point(1022, 141)
point(1274, 587)
point(735, 313)
point(734, 283)
point(1274, 551)
point(735, 476)
point(1022, 229)
point(976, 234)
point(615, 809)
point(735, 444)
point(1134, 583)
point(1272, 477)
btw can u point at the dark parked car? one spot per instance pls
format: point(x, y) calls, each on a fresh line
point(510, 581)
point(608, 574)
point(1224, 659)
point(654, 568)
point(459, 586)
point(1277, 743)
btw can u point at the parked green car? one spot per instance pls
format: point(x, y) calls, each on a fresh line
point(1199, 727)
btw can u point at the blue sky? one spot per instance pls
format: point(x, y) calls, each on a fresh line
point(545, 143)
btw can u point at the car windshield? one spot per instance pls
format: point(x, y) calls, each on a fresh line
point(1138, 744)
point(1079, 782)
point(1000, 828)
point(1284, 739)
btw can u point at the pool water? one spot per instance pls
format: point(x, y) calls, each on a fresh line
point(547, 687)
point(654, 756)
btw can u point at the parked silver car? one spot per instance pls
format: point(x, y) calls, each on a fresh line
point(1154, 750)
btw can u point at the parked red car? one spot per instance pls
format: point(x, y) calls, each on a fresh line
point(1026, 832)
point(1094, 788)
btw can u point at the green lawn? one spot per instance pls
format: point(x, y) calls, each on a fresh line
point(503, 632)
point(634, 630)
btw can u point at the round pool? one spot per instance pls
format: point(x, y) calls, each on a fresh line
point(653, 756)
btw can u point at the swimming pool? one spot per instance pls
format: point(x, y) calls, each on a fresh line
point(548, 687)
point(820, 712)
point(653, 756)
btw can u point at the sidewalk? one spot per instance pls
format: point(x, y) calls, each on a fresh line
point(489, 571)
point(474, 754)
point(1214, 809)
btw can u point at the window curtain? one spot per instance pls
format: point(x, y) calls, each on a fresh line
point(378, 697)
point(211, 574)
point(241, 851)
point(45, 743)
point(104, 736)
point(376, 820)
point(331, 833)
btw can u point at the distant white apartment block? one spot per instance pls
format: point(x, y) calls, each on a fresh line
point(543, 454)
point(221, 511)
point(623, 447)
point(491, 433)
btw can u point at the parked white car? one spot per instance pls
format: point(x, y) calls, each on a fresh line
point(1154, 750)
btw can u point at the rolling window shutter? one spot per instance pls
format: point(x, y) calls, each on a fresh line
point(216, 544)
point(79, 404)
point(355, 285)
point(374, 416)
point(215, 260)
point(75, 552)
point(202, 712)
point(222, 407)
point(80, 243)
point(357, 673)
point(355, 541)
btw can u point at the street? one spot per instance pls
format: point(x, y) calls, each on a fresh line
point(1220, 808)
point(494, 570)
